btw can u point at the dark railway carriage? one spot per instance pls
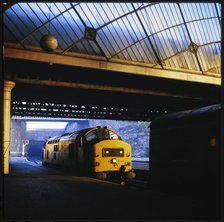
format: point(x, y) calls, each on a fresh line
point(185, 152)
point(97, 151)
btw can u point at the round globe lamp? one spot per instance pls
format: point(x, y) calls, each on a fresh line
point(48, 43)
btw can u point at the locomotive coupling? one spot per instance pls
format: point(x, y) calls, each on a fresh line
point(131, 175)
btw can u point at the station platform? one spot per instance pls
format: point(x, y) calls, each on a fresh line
point(32, 191)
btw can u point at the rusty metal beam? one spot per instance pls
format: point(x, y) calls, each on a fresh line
point(114, 65)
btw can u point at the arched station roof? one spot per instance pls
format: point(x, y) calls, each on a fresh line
point(183, 37)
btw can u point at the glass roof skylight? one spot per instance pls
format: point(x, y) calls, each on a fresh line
point(157, 34)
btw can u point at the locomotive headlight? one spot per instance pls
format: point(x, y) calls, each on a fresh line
point(113, 160)
point(121, 151)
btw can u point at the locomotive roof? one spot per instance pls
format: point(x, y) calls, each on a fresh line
point(189, 116)
point(54, 138)
point(70, 134)
point(74, 134)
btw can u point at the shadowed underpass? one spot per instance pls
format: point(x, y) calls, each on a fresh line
point(34, 191)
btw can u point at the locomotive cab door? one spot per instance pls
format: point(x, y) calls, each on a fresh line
point(80, 154)
point(89, 157)
point(72, 154)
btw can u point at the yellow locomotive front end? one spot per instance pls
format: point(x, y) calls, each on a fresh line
point(113, 156)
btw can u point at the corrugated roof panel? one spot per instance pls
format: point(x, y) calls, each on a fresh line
point(24, 18)
point(134, 27)
point(148, 51)
point(12, 26)
point(20, 27)
point(160, 43)
point(208, 10)
point(48, 8)
point(95, 48)
point(87, 15)
point(218, 6)
point(62, 6)
point(132, 54)
point(103, 12)
point(150, 23)
point(209, 56)
point(102, 42)
point(204, 31)
point(38, 36)
point(35, 8)
point(107, 40)
point(145, 57)
point(182, 36)
point(7, 35)
point(193, 61)
point(74, 22)
point(82, 47)
point(85, 45)
point(184, 61)
point(122, 8)
point(30, 11)
point(67, 5)
point(63, 33)
point(74, 49)
point(198, 11)
point(68, 31)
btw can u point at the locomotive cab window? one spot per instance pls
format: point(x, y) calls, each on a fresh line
point(111, 152)
point(101, 133)
point(91, 136)
point(113, 136)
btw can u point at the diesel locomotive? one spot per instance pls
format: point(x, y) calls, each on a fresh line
point(97, 152)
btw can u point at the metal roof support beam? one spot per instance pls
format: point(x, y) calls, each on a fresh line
point(216, 9)
point(99, 87)
point(101, 50)
point(116, 66)
point(154, 51)
point(185, 24)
